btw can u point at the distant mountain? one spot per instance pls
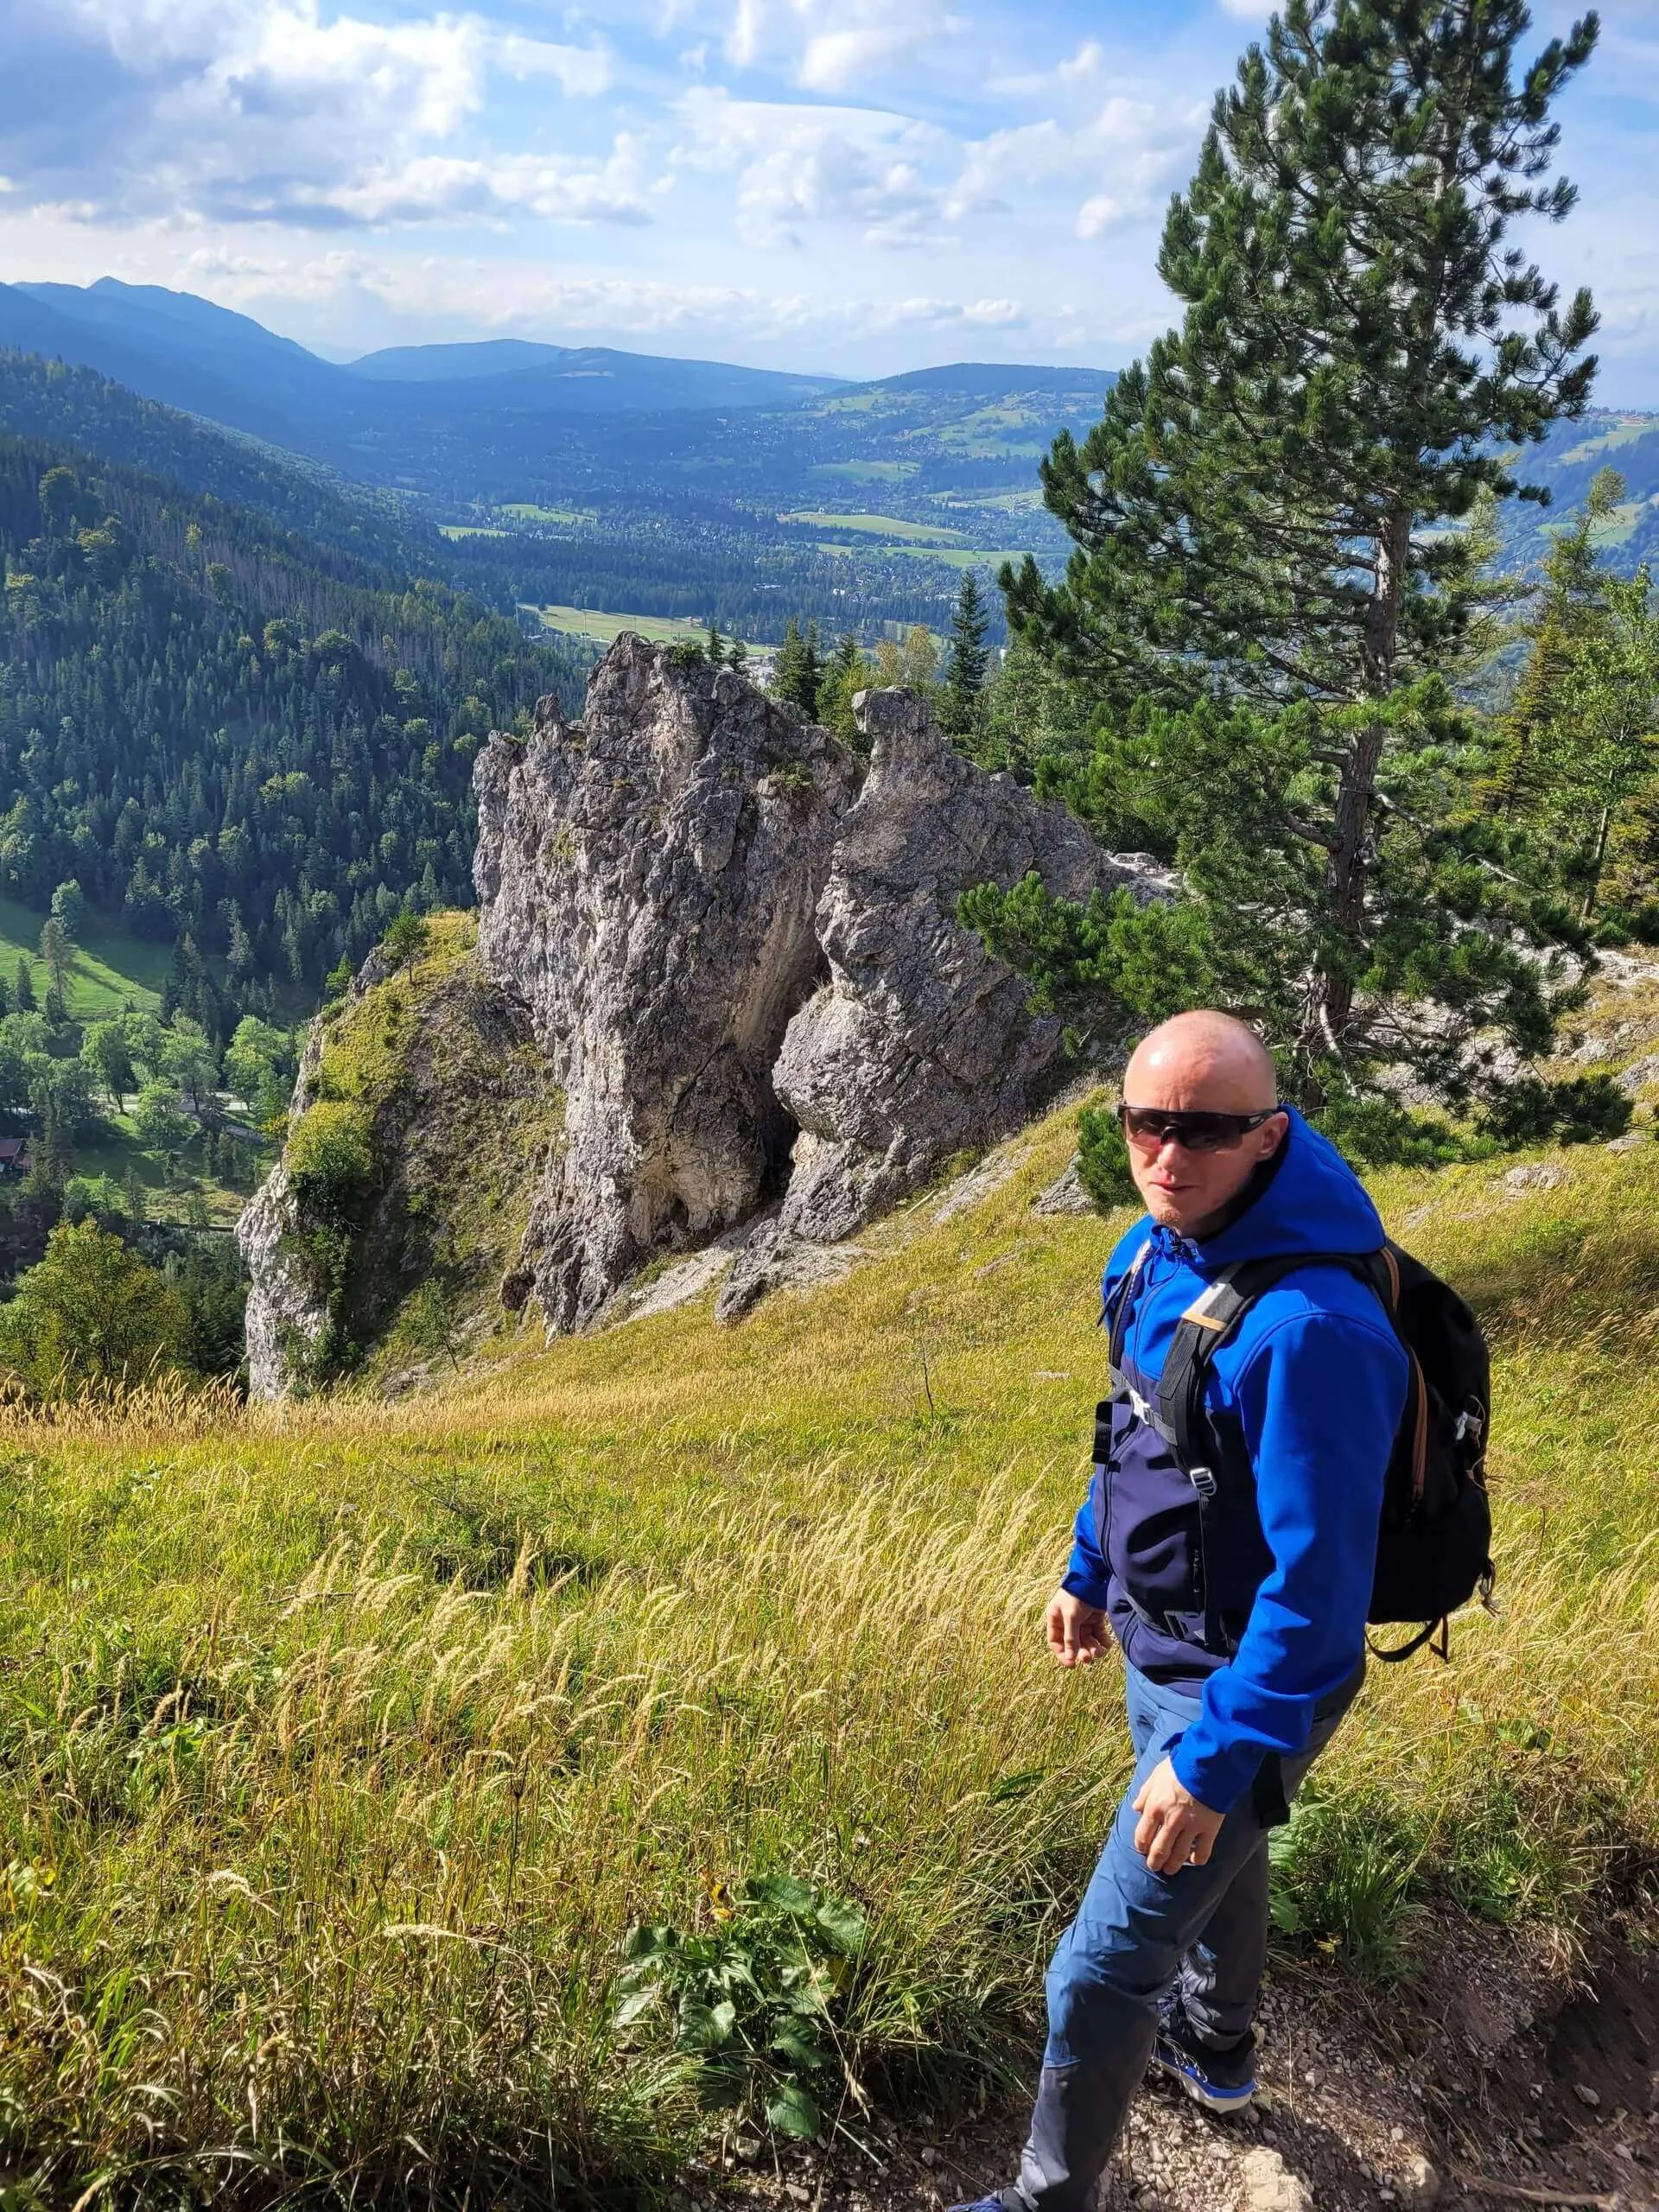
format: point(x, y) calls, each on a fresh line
point(190, 354)
point(513, 373)
point(70, 406)
point(484, 357)
point(991, 379)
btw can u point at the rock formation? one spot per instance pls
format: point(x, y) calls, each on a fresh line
point(919, 1045)
point(735, 942)
point(647, 879)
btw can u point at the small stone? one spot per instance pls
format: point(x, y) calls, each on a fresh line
point(1312, 2079)
point(747, 2148)
point(929, 2156)
point(798, 2190)
point(1263, 2099)
point(1270, 2186)
point(1587, 2095)
point(1397, 2133)
point(1420, 2182)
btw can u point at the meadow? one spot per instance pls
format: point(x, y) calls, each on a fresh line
point(347, 1741)
point(111, 968)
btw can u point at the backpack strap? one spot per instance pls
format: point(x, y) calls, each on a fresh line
point(1182, 1420)
point(1181, 1417)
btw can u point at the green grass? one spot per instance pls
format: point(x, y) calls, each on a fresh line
point(344, 1742)
point(469, 530)
point(111, 968)
point(522, 510)
point(880, 526)
point(867, 472)
point(1625, 433)
point(606, 629)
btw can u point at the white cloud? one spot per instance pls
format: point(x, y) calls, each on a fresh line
point(1131, 151)
point(800, 164)
point(831, 45)
point(264, 110)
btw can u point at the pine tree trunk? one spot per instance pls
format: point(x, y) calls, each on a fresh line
point(1331, 1022)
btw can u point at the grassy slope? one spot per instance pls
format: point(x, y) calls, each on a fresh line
point(111, 968)
point(344, 1741)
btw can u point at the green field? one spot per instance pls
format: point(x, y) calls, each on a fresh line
point(877, 525)
point(953, 557)
point(522, 510)
point(867, 472)
point(606, 629)
point(469, 530)
point(111, 968)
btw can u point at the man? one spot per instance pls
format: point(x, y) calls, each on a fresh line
point(1233, 1689)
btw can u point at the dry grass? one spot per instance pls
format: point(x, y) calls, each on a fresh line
point(344, 1741)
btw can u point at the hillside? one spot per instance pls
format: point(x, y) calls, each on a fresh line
point(363, 1734)
point(233, 732)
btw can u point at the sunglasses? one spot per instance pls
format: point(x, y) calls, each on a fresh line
point(1154, 1127)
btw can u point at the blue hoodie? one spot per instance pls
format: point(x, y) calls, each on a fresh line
point(1316, 1378)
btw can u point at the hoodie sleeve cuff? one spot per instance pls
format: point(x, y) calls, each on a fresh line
point(1082, 1584)
point(1218, 1778)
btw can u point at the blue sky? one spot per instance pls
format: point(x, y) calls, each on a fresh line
point(858, 186)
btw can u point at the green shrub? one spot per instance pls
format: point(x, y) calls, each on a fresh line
point(1379, 1133)
point(1103, 1158)
point(753, 2004)
point(331, 1157)
point(1579, 1111)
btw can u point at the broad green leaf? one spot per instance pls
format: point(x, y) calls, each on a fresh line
point(843, 1922)
point(793, 2111)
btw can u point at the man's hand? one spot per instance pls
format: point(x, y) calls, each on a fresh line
point(1174, 1830)
point(1076, 1632)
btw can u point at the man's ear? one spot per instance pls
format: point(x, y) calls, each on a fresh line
point(1272, 1134)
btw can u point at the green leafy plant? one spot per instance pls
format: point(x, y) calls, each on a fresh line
point(1342, 1877)
point(752, 2003)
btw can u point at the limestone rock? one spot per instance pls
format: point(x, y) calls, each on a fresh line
point(1420, 2184)
point(919, 1045)
point(1269, 2185)
point(287, 1310)
point(1066, 1194)
point(648, 878)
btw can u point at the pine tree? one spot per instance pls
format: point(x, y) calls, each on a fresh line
point(798, 673)
point(965, 677)
point(1260, 595)
point(23, 996)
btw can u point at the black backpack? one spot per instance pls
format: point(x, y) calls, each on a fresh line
point(1434, 1544)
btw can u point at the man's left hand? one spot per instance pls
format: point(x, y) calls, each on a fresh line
point(1174, 1829)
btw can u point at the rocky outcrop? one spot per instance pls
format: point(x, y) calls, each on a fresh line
point(918, 1046)
point(419, 1133)
point(648, 878)
point(287, 1309)
point(724, 946)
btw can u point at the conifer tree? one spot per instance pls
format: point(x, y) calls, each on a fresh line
point(798, 672)
point(964, 677)
point(1270, 564)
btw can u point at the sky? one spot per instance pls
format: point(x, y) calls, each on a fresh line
point(855, 187)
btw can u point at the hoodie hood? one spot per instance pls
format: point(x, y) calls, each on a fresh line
point(1313, 1202)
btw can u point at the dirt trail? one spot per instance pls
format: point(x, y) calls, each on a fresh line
point(1495, 2079)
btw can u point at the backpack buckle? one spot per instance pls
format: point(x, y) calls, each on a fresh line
point(1203, 1481)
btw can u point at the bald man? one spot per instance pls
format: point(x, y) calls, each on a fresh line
point(1241, 1626)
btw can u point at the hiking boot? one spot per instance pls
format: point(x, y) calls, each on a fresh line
point(1220, 2080)
point(997, 2204)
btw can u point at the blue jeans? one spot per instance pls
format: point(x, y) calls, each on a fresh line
point(1137, 1936)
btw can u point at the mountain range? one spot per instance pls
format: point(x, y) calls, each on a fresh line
point(570, 478)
